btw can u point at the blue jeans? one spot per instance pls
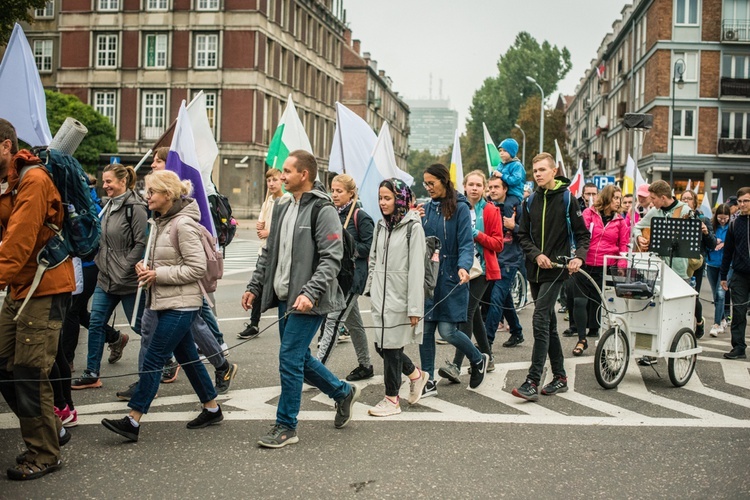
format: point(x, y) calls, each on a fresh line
point(172, 334)
point(103, 305)
point(450, 333)
point(714, 279)
point(501, 305)
point(296, 365)
point(210, 318)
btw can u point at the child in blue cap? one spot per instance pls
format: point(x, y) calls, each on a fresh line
point(511, 169)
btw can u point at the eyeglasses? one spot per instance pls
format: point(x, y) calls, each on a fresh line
point(743, 201)
point(151, 192)
point(429, 185)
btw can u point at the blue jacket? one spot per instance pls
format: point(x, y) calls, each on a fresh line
point(456, 253)
point(515, 176)
point(512, 255)
point(715, 256)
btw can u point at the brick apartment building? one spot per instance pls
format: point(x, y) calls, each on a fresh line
point(136, 60)
point(707, 43)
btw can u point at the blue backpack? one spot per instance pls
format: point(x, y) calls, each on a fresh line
point(566, 200)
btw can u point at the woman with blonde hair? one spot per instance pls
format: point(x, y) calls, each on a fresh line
point(171, 278)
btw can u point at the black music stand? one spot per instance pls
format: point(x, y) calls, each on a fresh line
point(672, 237)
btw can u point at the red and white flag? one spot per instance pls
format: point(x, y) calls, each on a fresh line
point(576, 184)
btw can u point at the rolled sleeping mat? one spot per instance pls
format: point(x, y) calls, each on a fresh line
point(69, 137)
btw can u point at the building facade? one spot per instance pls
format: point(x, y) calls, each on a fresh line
point(433, 125)
point(686, 63)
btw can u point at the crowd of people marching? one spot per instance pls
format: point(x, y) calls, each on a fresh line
point(443, 266)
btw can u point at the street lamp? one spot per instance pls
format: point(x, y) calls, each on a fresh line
point(523, 157)
point(679, 69)
point(541, 115)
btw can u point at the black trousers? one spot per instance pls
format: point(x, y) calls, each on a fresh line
point(395, 362)
point(474, 323)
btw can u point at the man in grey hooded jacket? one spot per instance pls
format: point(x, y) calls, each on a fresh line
point(296, 272)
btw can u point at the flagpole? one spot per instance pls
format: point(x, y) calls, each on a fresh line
point(151, 236)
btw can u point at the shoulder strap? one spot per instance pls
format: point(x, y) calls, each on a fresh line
point(129, 218)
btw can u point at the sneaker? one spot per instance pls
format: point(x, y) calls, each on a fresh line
point(513, 341)
point(570, 333)
point(69, 418)
point(566, 317)
point(715, 330)
point(527, 391)
point(360, 373)
point(279, 437)
point(64, 437)
point(29, 470)
point(224, 349)
point(344, 337)
point(416, 387)
point(385, 408)
point(735, 354)
point(206, 418)
point(562, 310)
point(89, 380)
point(250, 332)
point(127, 393)
point(558, 384)
point(451, 372)
point(491, 364)
point(430, 389)
point(123, 427)
point(116, 348)
point(593, 334)
point(724, 324)
point(344, 408)
point(647, 361)
point(224, 378)
point(478, 371)
point(442, 342)
point(170, 371)
point(700, 328)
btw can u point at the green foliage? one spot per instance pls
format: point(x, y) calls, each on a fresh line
point(498, 101)
point(101, 137)
point(554, 128)
point(418, 162)
point(14, 11)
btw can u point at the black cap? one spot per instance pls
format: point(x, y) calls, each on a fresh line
point(732, 201)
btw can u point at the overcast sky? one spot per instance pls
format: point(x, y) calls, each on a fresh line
point(459, 42)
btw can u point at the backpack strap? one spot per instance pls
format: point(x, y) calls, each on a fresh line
point(175, 242)
point(129, 219)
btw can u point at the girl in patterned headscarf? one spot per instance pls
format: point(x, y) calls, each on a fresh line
point(403, 197)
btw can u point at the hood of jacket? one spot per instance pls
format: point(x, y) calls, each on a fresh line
point(561, 184)
point(183, 206)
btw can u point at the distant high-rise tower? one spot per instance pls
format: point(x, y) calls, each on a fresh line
point(433, 125)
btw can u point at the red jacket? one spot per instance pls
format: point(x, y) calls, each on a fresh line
point(605, 240)
point(491, 240)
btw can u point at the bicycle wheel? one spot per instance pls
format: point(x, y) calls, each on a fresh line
point(518, 290)
point(611, 358)
point(681, 369)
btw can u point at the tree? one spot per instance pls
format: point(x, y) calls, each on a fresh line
point(498, 101)
point(554, 128)
point(14, 11)
point(417, 162)
point(101, 137)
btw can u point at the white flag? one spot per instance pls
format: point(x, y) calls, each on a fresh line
point(559, 159)
point(353, 144)
point(205, 144)
point(457, 168)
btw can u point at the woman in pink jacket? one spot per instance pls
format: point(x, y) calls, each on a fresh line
point(610, 234)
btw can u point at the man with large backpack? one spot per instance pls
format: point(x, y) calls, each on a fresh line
point(28, 345)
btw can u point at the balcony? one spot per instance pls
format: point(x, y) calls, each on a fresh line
point(151, 133)
point(735, 30)
point(735, 147)
point(735, 87)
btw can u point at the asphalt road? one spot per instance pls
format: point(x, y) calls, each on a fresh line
point(643, 439)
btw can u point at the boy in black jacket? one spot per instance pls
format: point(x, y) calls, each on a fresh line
point(550, 219)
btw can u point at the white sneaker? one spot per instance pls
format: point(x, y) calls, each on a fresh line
point(225, 350)
point(724, 324)
point(416, 386)
point(716, 330)
point(385, 408)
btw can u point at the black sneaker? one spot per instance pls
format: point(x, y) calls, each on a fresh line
point(224, 378)
point(527, 391)
point(206, 418)
point(700, 329)
point(478, 371)
point(250, 332)
point(570, 333)
point(360, 373)
point(558, 384)
point(430, 389)
point(344, 408)
point(647, 361)
point(65, 437)
point(127, 393)
point(735, 354)
point(123, 427)
point(593, 334)
point(279, 437)
point(88, 380)
point(116, 348)
point(170, 371)
point(513, 341)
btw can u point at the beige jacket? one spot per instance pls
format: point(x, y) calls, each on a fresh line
point(177, 269)
point(266, 215)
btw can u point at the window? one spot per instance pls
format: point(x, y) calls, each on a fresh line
point(682, 122)
point(690, 69)
point(686, 12)
point(206, 51)
point(734, 125)
point(157, 5)
point(43, 55)
point(154, 111)
point(208, 5)
point(156, 51)
point(735, 66)
point(210, 108)
point(105, 103)
point(109, 4)
point(106, 51)
point(46, 12)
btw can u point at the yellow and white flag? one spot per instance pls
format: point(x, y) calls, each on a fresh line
point(457, 169)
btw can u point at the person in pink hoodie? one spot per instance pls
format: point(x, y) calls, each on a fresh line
point(610, 234)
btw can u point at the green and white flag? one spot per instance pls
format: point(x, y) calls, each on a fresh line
point(289, 136)
point(490, 151)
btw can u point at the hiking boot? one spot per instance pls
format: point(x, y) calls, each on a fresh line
point(123, 427)
point(116, 348)
point(527, 391)
point(89, 380)
point(513, 341)
point(558, 384)
point(416, 387)
point(69, 417)
point(206, 418)
point(279, 437)
point(360, 373)
point(700, 328)
point(29, 470)
point(344, 408)
point(250, 332)
point(385, 408)
point(478, 371)
point(430, 389)
point(735, 354)
point(224, 378)
point(451, 372)
point(127, 393)
point(170, 371)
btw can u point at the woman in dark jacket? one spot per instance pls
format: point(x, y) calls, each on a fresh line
point(448, 217)
point(360, 227)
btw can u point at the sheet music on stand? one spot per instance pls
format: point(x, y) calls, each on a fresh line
point(672, 237)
